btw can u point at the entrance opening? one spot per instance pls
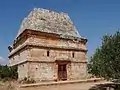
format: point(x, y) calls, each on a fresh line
point(62, 69)
point(62, 72)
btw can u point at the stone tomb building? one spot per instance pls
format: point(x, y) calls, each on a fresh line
point(48, 47)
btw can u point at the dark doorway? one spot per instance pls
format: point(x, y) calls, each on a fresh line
point(62, 72)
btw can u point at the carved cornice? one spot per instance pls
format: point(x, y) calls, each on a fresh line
point(29, 33)
point(29, 45)
point(18, 63)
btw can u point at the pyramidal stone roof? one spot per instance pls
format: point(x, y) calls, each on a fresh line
point(49, 21)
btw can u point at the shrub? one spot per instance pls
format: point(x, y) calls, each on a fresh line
point(7, 72)
point(28, 80)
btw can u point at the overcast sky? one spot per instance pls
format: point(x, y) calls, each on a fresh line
point(93, 19)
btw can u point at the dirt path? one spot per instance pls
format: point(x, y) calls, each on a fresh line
point(76, 86)
point(73, 86)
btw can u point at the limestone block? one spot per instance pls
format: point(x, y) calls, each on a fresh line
point(79, 70)
point(42, 71)
point(23, 71)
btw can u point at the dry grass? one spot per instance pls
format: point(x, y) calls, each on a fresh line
point(8, 85)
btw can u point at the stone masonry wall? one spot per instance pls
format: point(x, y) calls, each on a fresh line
point(22, 71)
point(29, 50)
point(52, 42)
point(79, 71)
point(37, 54)
point(47, 70)
point(42, 71)
point(19, 57)
point(42, 67)
point(47, 42)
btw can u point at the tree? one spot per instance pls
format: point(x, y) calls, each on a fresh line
point(105, 62)
point(8, 72)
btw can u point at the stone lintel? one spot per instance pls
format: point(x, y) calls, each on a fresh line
point(15, 64)
point(32, 61)
point(28, 33)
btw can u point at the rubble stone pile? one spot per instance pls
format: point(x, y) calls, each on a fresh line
point(50, 22)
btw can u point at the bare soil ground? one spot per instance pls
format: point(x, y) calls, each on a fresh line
point(8, 85)
point(12, 85)
point(76, 86)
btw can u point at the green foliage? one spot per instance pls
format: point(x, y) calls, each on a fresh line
point(27, 80)
point(7, 72)
point(106, 60)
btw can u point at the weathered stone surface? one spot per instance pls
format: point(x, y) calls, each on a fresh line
point(42, 71)
point(49, 21)
point(79, 71)
point(22, 71)
point(41, 53)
